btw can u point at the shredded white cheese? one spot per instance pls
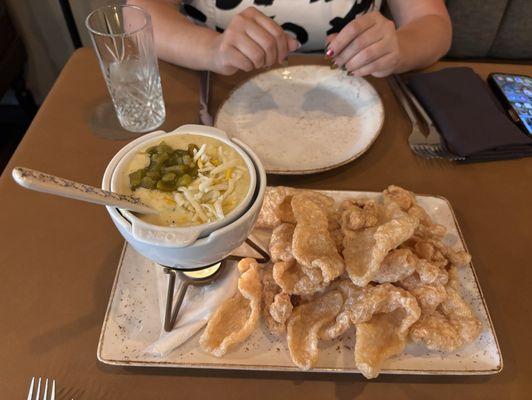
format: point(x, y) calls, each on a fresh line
point(200, 152)
point(216, 180)
point(226, 165)
point(190, 197)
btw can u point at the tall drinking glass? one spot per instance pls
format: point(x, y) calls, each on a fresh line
point(123, 38)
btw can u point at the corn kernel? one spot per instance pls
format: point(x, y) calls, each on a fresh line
point(228, 173)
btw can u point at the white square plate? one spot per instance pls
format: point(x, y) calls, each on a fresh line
point(132, 322)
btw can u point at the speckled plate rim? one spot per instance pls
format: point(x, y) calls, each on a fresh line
point(283, 368)
point(313, 170)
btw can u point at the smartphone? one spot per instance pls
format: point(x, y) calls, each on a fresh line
point(515, 93)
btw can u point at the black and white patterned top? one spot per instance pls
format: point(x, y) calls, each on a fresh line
point(310, 21)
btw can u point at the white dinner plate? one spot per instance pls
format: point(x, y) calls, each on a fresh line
point(303, 119)
point(133, 322)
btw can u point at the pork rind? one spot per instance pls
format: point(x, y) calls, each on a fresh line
point(305, 323)
point(383, 315)
point(458, 258)
point(313, 246)
point(281, 308)
point(338, 238)
point(406, 200)
point(437, 253)
point(432, 231)
point(286, 212)
point(277, 207)
point(429, 297)
point(452, 278)
point(281, 243)
point(269, 291)
point(365, 249)
point(342, 323)
point(426, 250)
point(293, 278)
point(402, 197)
point(333, 219)
point(238, 316)
point(269, 216)
point(430, 273)
point(450, 327)
point(426, 284)
point(401, 263)
point(357, 214)
point(397, 265)
point(426, 273)
point(333, 270)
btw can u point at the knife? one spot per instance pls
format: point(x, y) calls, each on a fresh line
point(204, 116)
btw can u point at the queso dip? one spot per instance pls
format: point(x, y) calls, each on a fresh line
point(189, 179)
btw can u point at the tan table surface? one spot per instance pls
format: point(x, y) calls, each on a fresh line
point(58, 257)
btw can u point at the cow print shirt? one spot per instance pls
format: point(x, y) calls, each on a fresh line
point(310, 21)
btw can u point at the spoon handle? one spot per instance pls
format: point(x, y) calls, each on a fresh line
point(42, 182)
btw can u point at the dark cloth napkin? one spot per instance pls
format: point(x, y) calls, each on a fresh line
point(468, 116)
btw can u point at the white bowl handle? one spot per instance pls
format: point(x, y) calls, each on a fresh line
point(162, 237)
point(193, 128)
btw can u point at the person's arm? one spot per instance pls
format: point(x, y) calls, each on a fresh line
point(372, 45)
point(424, 32)
point(251, 40)
point(177, 40)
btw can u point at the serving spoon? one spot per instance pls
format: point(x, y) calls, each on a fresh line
point(42, 182)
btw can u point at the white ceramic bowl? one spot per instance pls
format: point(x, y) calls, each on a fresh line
point(210, 243)
point(178, 236)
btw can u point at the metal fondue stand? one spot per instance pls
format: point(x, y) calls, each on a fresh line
point(193, 277)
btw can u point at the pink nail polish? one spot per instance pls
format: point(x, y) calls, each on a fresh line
point(329, 53)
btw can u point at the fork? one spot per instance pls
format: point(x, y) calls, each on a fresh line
point(38, 391)
point(430, 146)
point(416, 137)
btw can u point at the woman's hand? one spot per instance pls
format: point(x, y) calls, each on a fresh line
point(367, 45)
point(251, 41)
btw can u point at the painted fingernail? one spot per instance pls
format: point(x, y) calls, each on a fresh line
point(329, 53)
point(350, 73)
point(334, 65)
